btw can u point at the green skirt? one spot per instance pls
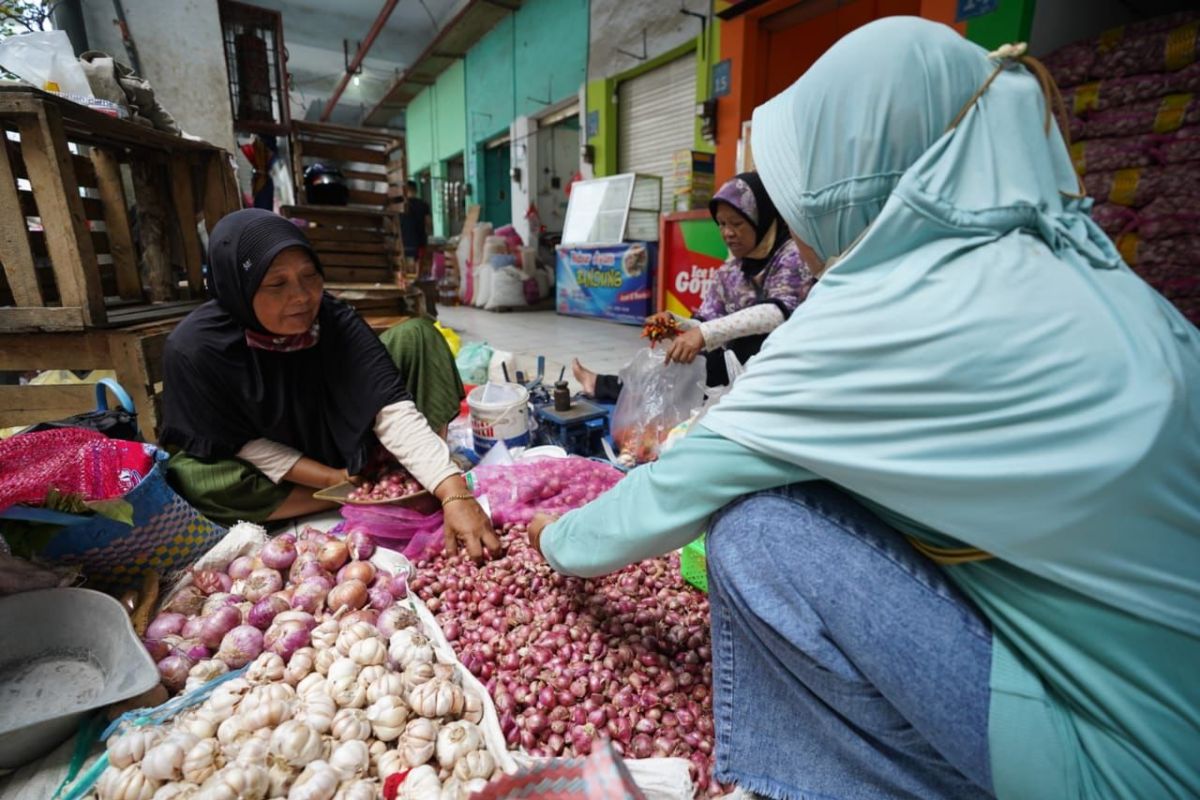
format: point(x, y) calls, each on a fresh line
point(226, 490)
point(427, 366)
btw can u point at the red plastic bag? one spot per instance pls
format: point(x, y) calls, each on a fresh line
point(515, 492)
point(72, 461)
point(395, 527)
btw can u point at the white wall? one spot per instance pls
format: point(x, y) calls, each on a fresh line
point(179, 45)
point(618, 25)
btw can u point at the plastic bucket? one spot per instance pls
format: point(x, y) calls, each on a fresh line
point(499, 412)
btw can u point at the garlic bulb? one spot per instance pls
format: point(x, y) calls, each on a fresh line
point(317, 710)
point(458, 789)
point(387, 685)
point(347, 693)
point(201, 723)
point(319, 781)
point(130, 747)
point(436, 698)
point(421, 784)
point(226, 697)
point(280, 778)
point(164, 761)
point(343, 668)
point(231, 732)
point(472, 706)
point(300, 665)
point(313, 682)
point(266, 693)
point(267, 668)
point(325, 635)
point(358, 632)
point(369, 652)
point(389, 763)
point(475, 764)
point(253, 752)
point(410, 646)
point(202, 760)
point(350, 723)
point(237, 782)
point(296, 743)
point(387, 716)
point(448, 672)
point(358, 790)
point(324, 660)
point(267, 714)
point(419, 741)
point(370, 674)
point(456, 740)
point(351, 759)
point(125, 783)
point(176, 791)
point(416, 674)
point(204, 671)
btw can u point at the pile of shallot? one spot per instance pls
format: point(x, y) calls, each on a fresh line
point(268, 602)
point(567, 661)
point(389, 484)
point(326, 714)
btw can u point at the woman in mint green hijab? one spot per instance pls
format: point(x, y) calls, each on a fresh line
point(960, 547)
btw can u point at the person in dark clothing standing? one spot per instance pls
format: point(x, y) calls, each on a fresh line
point(416, 221)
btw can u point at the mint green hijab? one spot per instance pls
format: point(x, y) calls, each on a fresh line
point(978, 359)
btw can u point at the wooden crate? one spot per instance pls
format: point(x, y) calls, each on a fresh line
point(68, 178)
point(135, 353)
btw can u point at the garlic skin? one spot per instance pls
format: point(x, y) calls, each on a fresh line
point(267, 668)
point(130, 747)
point(325, 636)
point(296, 744)
point(317, 710)
point(236, 782)
point(201, 723)
point(343, 668)
point(387, 717)
point(347, 693)
point(475, 764)
point(227, 697)
point(204, 671)
point(456, 740)
point(387, 685)
point(415, 675)
point(318, 781)
point(421, 784)
point(419, 741)
point(202, 760)
point(351, 760)
point(267, 692)
point(254, 752)
point(177, 791)
point(389, 763)
point(369, 652)
point(472, 707)
point(369, 674)
point(268, 714)
point(164, 761)
point(410, 646)
point(300, 665)
point(358, 790)
point(125, 783)
point(436, 698)
point(349, 724)
point(358, 632)
point(313, 682)
point(324, 659)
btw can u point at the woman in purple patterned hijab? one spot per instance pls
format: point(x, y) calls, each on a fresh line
point(754, 291)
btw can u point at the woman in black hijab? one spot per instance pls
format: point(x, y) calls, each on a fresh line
point(274, 390)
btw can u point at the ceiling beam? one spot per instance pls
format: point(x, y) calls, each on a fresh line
point(352, 68)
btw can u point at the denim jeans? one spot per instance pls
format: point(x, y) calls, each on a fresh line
point(845, 664)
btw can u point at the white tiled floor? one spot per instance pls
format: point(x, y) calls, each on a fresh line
point(602, 346)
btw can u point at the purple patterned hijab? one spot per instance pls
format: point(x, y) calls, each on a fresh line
point(746, 195)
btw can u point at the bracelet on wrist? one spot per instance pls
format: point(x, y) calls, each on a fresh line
point(453, 497)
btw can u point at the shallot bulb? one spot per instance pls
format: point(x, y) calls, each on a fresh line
point(174, 671)
point(240, 567)
point(211, 581)
point(332, 555)
point(357, 570)
point(261, 583)
point(266, 609)
point(166, 624)
point(350, 594)
point(279, 553)
point(214, 626)
point(241, 646)
point(360, 544)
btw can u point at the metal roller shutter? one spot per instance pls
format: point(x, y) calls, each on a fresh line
point(657, 118)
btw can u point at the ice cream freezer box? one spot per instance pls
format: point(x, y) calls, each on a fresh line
point(607, 281)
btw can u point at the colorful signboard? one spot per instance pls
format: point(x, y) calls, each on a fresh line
point(692, 250)
point(612, 281)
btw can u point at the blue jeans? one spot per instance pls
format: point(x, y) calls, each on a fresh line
point(846, 665)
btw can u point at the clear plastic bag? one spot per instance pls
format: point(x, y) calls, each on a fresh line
point(655, 397)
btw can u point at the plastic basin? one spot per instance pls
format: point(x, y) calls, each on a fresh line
point(63, 653)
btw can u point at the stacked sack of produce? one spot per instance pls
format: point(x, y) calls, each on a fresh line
point(1133, 95)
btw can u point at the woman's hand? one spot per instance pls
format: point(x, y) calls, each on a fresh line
point(685, 347)
point(539, 523)
point(465, 522)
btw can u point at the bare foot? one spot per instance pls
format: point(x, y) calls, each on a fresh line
point(585, 377)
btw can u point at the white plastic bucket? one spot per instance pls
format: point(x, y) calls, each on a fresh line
point(499, 412)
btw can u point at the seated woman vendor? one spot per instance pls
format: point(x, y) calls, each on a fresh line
point(761, 284)
point(273, 390)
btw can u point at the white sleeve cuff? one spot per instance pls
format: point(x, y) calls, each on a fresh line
point(686, 323)
point(757, 319)
point(272, 459)
point(406, 434)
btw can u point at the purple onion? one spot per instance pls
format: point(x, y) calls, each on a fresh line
point(379, 598)
point(191, 649)
point(395, 618)
point(399, 586)
point(361, 545)
point(310, 595)
point(265, 610)
point(240, 567)
point(213, 627)
point(240, 646)
point(306, 620)
point(262, 582)
point(188, 601)
point(168, 623)
point(174, 672)
point(157, 648)
point(286, 638)
point(191, 628)
point(279, 553)
point(219, 600)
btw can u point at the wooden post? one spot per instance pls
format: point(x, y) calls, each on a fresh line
point(185, 213)
point(14, 237)
point(116, 219)
point(152, 218)
point(221, 190)
point(56, 192)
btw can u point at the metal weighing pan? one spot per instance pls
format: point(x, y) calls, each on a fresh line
point(63, 653)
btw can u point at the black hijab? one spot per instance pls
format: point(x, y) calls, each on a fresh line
point(746, 195)
point(220, 393)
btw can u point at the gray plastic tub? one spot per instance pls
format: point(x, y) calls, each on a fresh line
point(63, 653)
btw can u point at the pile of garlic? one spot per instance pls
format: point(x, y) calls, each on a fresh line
point(331, 724)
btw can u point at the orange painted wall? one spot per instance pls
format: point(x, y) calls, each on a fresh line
point(764, 63)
